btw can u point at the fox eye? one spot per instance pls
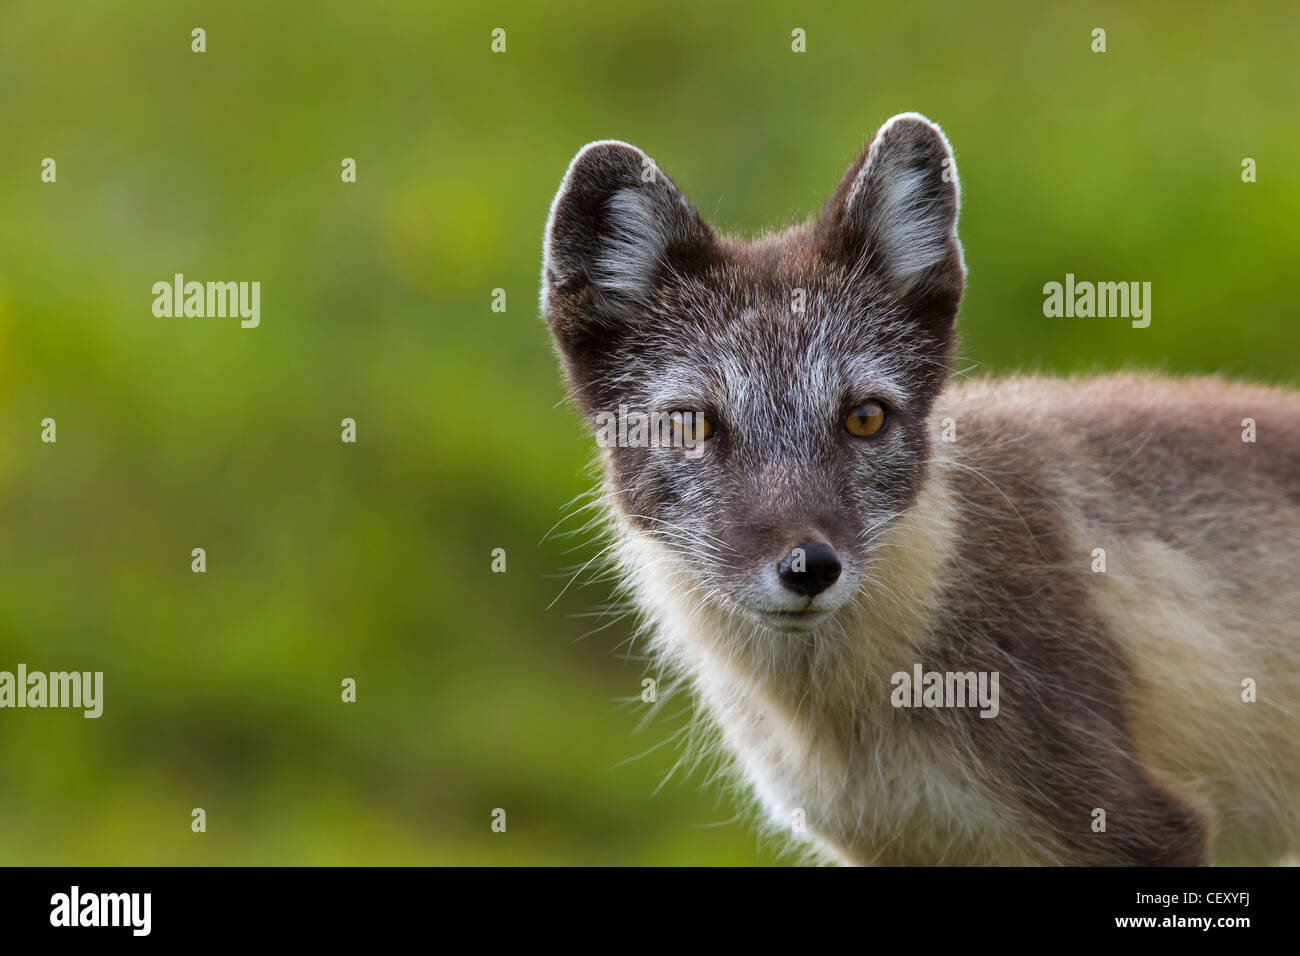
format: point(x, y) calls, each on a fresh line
point(690, 426)
point(866, 420)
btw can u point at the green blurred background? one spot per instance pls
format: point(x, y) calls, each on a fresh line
point(372, 561)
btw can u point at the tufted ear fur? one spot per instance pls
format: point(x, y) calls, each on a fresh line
point(895, 214)
point(617, 226)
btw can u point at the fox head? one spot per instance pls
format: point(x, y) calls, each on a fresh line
point(797, 369)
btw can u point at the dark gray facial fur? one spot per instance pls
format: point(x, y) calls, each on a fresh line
point(775, 341)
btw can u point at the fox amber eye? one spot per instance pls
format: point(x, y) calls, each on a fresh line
point(690, 426)
point(865, 420)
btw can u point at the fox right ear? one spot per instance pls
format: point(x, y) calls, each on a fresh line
point(617, 225)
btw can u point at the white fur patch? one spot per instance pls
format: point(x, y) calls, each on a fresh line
point(628, 262)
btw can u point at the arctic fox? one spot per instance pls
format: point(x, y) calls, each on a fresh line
point(1114, 559)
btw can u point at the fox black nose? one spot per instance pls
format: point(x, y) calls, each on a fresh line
point(809, 569)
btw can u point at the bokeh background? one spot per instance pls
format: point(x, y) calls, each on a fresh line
point(372, 561)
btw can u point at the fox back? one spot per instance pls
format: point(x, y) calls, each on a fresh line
point(933, 620)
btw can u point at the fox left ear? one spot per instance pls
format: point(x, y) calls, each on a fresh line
point(895, 213)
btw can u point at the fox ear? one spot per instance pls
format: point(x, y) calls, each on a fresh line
point(895, 211)
point(617, 225)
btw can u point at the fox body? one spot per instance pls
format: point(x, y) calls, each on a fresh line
point(1115, 552)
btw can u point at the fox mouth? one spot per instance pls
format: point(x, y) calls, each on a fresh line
point(801, 620)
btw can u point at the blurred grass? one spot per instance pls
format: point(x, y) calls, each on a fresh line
point(371, 561)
